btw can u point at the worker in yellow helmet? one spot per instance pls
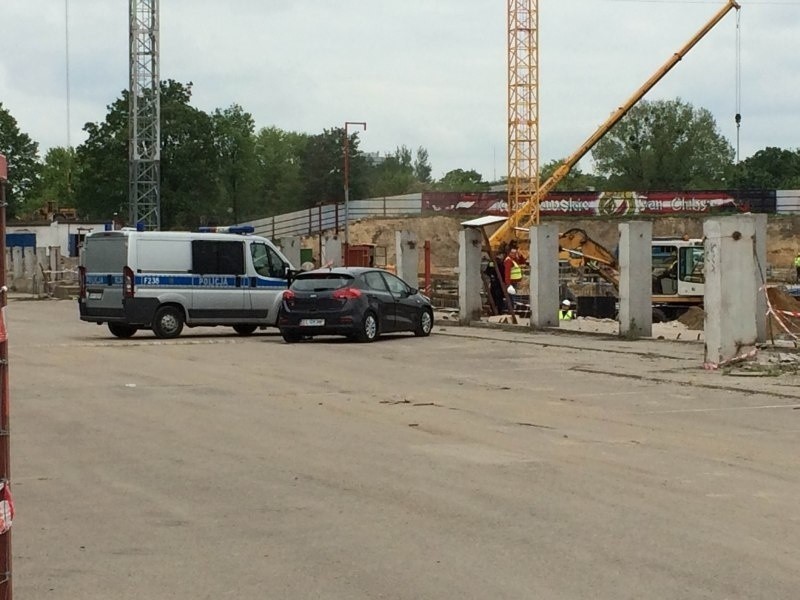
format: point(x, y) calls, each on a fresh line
point(566, 313)
point(797, 267)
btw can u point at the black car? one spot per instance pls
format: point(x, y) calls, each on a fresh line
point(357, 302)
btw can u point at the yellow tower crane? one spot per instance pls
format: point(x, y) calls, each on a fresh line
point(524, 192)
point(523, 104)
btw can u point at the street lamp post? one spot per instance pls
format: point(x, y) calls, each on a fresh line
point(347, 187)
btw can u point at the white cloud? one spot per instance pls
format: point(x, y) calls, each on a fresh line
point(420, 73)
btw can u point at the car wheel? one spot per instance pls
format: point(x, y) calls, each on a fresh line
point(121, 330)
point(424, 324)
point(369, 328)
point(168, 322)
point(245, 329)
point(659, 316)
point(289, 336)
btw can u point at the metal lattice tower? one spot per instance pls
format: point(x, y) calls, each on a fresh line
point(523, 104)
point(144, 194)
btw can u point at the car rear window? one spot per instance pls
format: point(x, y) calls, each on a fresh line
point(320, 282)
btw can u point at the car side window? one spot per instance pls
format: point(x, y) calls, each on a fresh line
point(374, 281)
point(396, 285)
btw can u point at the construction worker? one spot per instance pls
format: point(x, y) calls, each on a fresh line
point(566, 313)
point(512, 273)
point(797, 267)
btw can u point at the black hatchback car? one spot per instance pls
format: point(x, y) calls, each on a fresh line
point(358, 302)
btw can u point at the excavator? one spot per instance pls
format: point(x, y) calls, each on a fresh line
point(677, 277)
point(528, 214)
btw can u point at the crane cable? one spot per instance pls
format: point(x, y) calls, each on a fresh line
point(738, 117)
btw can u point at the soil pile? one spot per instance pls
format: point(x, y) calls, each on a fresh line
point(694, 318)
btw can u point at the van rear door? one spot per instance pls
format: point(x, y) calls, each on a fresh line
point(104, 256)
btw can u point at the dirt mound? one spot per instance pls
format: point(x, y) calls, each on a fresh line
point(694, 318)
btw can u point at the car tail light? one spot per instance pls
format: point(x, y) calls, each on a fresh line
point(288, 297)
point(348, 293)
point(82, 282)
point(128, 283)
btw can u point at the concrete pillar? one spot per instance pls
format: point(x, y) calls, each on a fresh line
point(16, 260)
point(635, 279)
point(730, 288)
point(41, 259)
point(469, 275)
point(55, 263)
point(331, 252)
point(29, 264)
point(290, 246)
point(761, 277)
point(543, 260)
point(407, 257)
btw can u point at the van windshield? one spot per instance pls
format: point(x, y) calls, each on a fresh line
point(320, 282)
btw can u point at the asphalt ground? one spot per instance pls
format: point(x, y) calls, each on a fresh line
point(477, 463)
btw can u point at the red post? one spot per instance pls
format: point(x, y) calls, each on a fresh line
point(5, 444)
point(427, 252)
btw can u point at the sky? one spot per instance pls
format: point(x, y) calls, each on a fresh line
point(428, 73)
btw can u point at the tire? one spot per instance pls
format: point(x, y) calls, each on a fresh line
point(245, 328)
point(368, 331)
point(289, 336)
point(168, 322)
point(424, 324)
point(659, 316)
point(122, 330)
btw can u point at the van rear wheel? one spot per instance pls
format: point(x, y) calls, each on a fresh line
point(168, 322)
point(122, 330)
point(245, 328)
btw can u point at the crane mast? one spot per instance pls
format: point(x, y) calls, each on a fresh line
point(523, 103)
point(527, 214)
point(144, 160)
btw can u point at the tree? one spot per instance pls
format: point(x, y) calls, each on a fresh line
point(394, 175)
point(460, 180)
point(281, 185)
point(234, 141)
point(322, 163)
point(23, 162)
point(422, 168)
point(189, 166)
point(59, 173)
point(772, 168)
point(665, 145)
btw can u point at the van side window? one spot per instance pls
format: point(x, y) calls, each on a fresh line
point(276, 264)
point(217, 258)
point(266, 261)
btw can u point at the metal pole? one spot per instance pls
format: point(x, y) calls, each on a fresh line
point(5, 443)
point(347, 187)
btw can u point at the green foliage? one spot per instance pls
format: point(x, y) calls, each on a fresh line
point(460, 180)
point(280, 179)
point(59, 170)
point(665, 145)
point(234, 142)
point(24, 169)
point(771, 168)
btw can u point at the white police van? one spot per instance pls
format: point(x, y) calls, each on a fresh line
point(161, 280)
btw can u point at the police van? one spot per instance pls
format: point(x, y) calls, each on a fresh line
point(161, 280)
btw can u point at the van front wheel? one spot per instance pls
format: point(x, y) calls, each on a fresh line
point(168, 322)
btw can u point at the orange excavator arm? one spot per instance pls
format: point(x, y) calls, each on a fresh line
point(528, 213)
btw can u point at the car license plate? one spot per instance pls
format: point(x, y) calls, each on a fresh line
point(312, 322)
point(95, 295)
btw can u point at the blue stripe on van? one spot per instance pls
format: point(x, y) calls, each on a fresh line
point(185, 281)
